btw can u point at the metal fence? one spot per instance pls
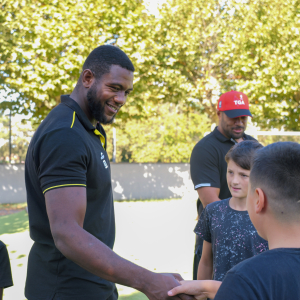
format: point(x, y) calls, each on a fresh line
point(15, 135)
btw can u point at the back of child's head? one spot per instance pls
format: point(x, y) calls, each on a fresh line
point(276, 170)
point(242, 153)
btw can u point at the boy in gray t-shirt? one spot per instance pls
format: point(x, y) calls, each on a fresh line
point(228, 233)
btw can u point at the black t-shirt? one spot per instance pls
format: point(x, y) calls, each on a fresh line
point(208, 166)
point(66, 150)
point(271, 275)
point(232, 235)
point(5, 270)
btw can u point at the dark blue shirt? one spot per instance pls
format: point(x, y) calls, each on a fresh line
point(232, 235)
point(5, 270)
point(272, 275)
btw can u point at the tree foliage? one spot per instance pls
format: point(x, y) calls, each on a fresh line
point(210, 47)
point(168, 136)
point(44, 44)
point(185, 57)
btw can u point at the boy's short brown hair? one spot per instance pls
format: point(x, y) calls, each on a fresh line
point(276, 170)
point(242, 153)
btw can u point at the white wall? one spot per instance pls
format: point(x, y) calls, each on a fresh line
point(12, 184)
point(130, 181)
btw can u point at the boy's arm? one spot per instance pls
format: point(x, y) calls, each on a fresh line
point(205, 268)
point(200, 289)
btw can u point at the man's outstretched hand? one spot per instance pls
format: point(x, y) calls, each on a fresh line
point(161, 283)
point(200, 289)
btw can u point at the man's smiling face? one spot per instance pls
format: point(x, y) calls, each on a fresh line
point(109, 93)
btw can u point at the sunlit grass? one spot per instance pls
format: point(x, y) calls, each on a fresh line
point(13, 205)
point(17, 222)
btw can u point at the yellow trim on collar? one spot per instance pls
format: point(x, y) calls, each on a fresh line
point(56, 186)
point(74, 113)
point(102, 138)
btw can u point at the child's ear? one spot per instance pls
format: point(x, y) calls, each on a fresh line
point(260, 201)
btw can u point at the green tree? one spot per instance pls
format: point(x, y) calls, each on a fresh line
point(167, 136)
point(43, 45)
point(185, 57)
point(265, 60)
point(209, 47)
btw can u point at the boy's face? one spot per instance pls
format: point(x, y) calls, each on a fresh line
point(237, 180)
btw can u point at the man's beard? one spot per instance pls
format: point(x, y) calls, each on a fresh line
point(236, 136)
point(96, 107)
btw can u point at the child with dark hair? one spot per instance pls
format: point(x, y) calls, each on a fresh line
point(228, 234)
point(5, 270)
point(274, 209)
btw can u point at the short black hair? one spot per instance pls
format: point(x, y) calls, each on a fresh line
point(276, 170)
point(103, 57)
point(242, 153)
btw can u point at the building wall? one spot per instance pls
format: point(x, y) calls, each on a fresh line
point(130, 181)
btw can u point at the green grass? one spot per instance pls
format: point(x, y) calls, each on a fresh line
point(13, 205)
point(17, 222)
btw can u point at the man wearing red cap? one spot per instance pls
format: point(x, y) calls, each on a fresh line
point(208, 165)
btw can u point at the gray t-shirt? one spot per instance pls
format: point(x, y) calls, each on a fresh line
point(232, 235)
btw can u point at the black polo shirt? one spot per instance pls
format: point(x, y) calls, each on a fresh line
point(208, 166)
point(66, 150)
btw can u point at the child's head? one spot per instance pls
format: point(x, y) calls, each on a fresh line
point(242, 153)
point(275, 183)
point(238, 161)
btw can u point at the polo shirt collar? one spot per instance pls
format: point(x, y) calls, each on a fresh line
point(223, 138)
point(67, 100)
point(99, 131)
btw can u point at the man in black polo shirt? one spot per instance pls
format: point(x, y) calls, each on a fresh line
point(69, 193)
point(208, 165)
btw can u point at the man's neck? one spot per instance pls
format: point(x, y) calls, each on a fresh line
point(79, 98)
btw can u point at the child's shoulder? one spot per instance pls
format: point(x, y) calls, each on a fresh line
point(217, 205)
point(271, 260)
point(2, 244)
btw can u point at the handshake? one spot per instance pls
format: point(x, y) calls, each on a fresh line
point(180, 289)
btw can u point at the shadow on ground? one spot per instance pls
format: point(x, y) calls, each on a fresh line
point(134, 296)
point(13, 223)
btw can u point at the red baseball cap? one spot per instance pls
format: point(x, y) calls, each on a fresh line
point(234, 104)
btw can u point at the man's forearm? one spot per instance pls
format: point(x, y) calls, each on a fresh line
point(208, 195)
point(91, 254)
point(207, 201)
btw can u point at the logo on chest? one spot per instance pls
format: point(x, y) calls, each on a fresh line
point(104, 161)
